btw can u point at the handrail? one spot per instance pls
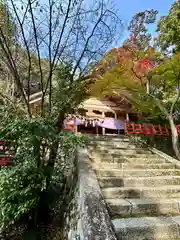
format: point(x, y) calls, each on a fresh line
point(148, 129)
point(5, 156)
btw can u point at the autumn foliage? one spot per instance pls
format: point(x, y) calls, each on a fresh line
point(131, 63)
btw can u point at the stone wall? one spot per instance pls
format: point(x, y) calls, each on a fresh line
point(161, 143)
point(71, 215)
point(88, 218)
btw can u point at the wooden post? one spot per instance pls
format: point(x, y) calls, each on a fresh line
point(75, 126)
point(127, 117)
point(97, 132)
point(103, 129)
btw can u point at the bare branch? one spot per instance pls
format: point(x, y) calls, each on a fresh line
point(57, 48)
point(56, 33)
point(8, 54)
point(85, 46)
point(50, 54)
point(36, 40)
point(25, 41)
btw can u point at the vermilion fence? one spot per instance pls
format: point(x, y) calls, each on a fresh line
point(134, 128)
point(5, 155)
point(148, 129)
point(70, 126)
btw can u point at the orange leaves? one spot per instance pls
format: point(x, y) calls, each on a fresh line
point(142, 67)
point(126, 64)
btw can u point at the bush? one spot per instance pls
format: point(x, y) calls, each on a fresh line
point(19, 190)
point(21, 185)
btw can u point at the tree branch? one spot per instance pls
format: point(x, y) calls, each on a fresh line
point(86, 44)
point(177, 98)
point(50, 54)
point(10, 59)
point(57, 48)
point(26, 44)
point(36, 40)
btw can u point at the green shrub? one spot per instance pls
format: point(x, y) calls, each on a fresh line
point(22, 183)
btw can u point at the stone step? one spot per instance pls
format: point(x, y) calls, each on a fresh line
point(137, 172)
point(121, 159)
point(106, 182)
point(110, 143)
point(111, 146)
point(118, 138)
point(102, 141)
point(128, 166)
point(123, 151)
point(109, 139)
point(126, 154)
point(143, 207)
point(141, 192)
point(147, 228)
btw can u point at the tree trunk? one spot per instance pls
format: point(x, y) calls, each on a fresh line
point(175, 138)
point(148, 87)
point(43, 206)
point(54, 148)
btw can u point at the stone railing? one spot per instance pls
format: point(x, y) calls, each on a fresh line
point(91, 221)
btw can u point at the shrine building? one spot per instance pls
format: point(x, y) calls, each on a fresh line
point(100, 116)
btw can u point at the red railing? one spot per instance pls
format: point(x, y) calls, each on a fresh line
point(5, 155)
point(148, 129)
point(70, 126)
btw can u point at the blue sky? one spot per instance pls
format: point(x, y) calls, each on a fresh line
point(128, 8)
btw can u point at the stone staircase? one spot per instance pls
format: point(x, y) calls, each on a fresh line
point(141, 189)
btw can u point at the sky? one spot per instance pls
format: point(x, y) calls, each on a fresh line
point(128, 8)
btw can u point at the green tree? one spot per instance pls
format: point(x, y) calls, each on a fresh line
point(23, 184)
point(165, 81)
point(136, 55)
point(162, 98)
point(54, 42)
point(138, 28)
point(169, 29)
point(35, 144)
point(151, 92)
